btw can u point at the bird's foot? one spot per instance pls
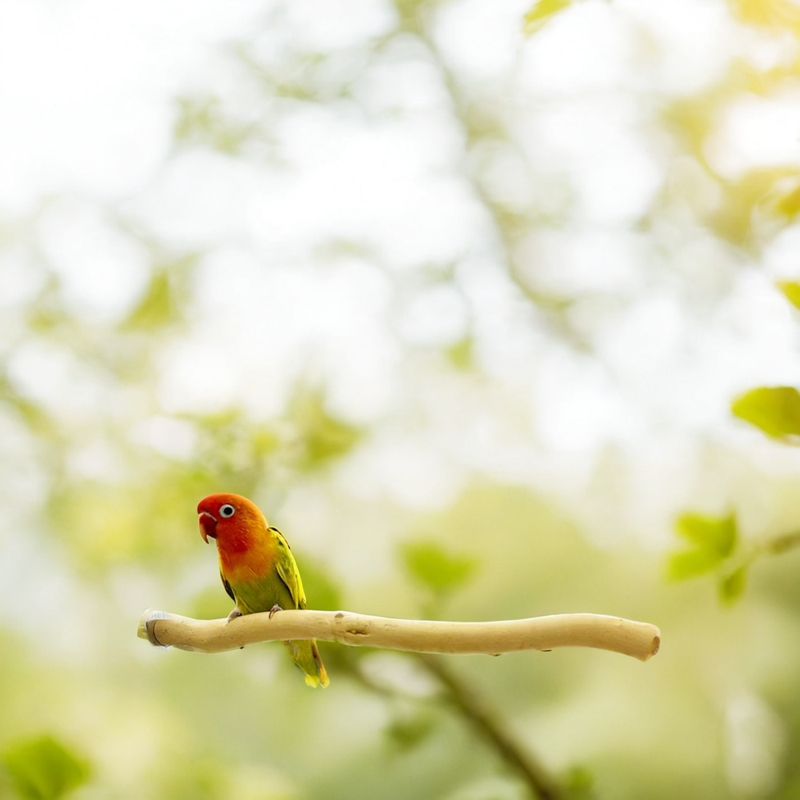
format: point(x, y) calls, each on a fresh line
point(235, 613)
point(274, 610)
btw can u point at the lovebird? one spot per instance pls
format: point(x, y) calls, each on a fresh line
point(258, 569)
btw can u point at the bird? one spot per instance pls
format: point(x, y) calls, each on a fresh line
point(258, 569)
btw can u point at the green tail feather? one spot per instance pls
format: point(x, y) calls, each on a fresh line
point(305, 654)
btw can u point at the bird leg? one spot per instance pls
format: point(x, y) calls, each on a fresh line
point(235, 613)
point(274, 610)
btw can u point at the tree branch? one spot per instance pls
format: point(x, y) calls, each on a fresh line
point(489, 726)
point(637, 639)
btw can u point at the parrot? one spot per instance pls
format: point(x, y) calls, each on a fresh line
point(258, 569)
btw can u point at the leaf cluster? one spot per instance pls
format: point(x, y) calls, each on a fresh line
point(711, 546)
point(43, 768)
point(715, 541)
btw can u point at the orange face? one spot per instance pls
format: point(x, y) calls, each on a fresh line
point(227, 516)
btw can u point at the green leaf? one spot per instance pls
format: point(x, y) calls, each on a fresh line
point(431, 565)
point(773, 409)
point(714, 539)
point(541, 13)
point(44, 769)
point(731, 586)
point(691, 563)
point(717, 535)
point(791, 290)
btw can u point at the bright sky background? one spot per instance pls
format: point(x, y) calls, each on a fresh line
point(87, 90)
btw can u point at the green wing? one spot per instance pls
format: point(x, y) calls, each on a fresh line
point(287, 570)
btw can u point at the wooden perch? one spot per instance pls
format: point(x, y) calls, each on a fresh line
point(638, 639)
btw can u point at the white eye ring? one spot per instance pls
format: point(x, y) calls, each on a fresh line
point(227, 511)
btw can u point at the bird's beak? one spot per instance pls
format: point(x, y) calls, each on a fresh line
point(208, 525)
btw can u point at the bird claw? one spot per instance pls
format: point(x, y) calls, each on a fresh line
point(235, 613)
point(274, 610)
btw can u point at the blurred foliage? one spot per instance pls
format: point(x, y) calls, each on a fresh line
point(323, 438)
point(791, 289)
point(541, 13)
point(712, 540)
point(788, 202)
point(461, 353)
point(201, 121)
point(411, 730)
point(163, 301)
point(434, 568)
point(103, 465)
point(732, 585)
point(779, 14)
point(320, 585)
point(579, 784)
point(716, 548)
point(44, 769)
point(773, 409)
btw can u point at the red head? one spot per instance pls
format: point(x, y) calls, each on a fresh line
point(229, 518)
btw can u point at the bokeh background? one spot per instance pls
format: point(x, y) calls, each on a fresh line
point(461, 294)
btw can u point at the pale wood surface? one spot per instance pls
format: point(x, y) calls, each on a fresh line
point(637, 639)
